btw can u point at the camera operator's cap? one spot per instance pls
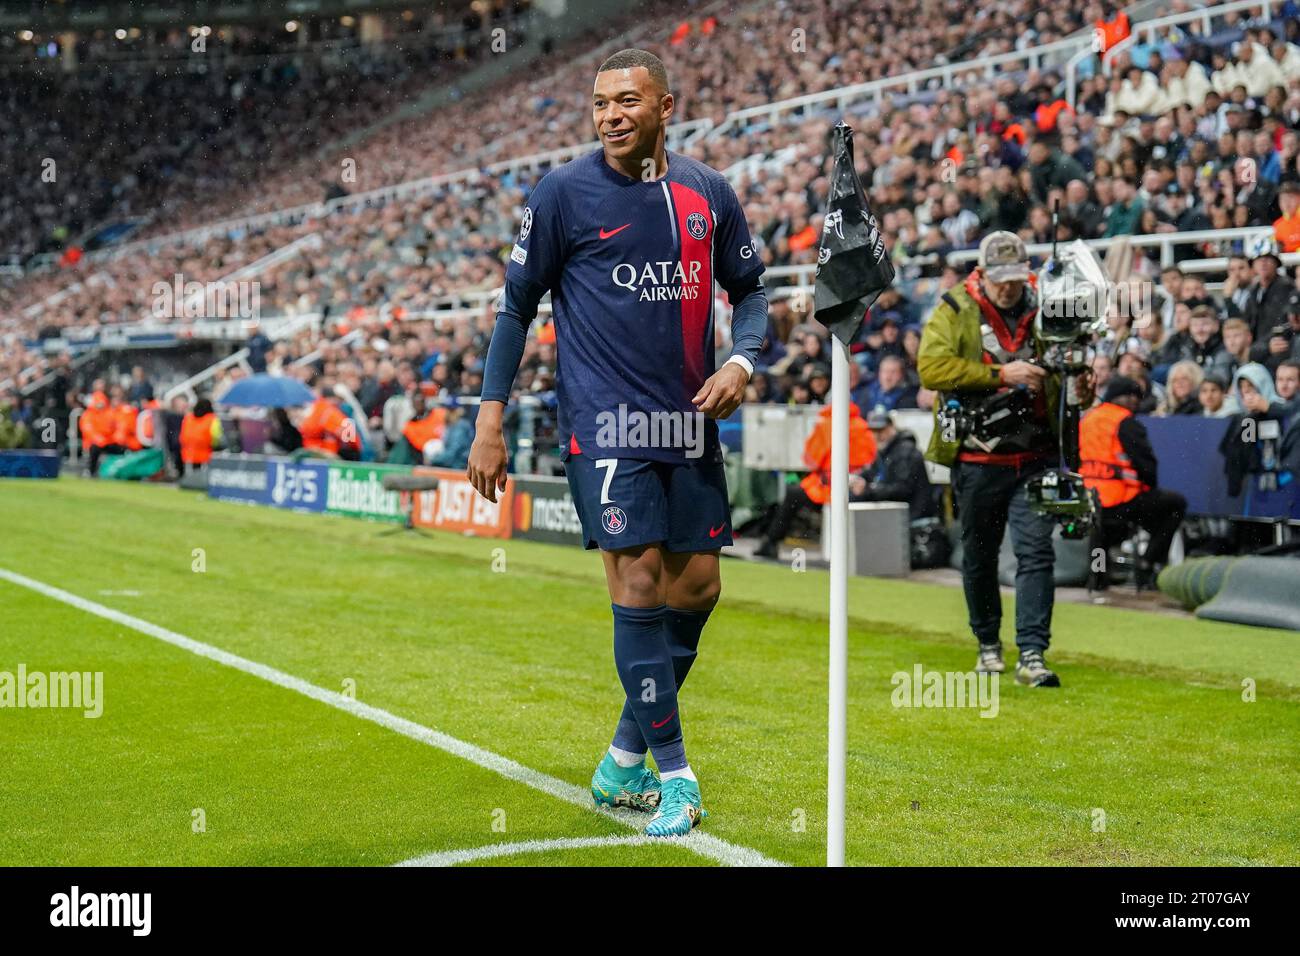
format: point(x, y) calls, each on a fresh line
point(1119, 386)
point(1003, 257)
point(879, 418)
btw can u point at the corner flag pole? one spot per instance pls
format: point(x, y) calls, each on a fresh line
point(837, 752)
point(852, 270)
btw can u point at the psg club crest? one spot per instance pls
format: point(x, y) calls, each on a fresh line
point(697, 225)
point(526, 225)
point(613, 520)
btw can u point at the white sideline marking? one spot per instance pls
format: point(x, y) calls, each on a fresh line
point(729, 854)
point(453, 857)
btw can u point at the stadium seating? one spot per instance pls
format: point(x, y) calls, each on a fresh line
point(943, 157)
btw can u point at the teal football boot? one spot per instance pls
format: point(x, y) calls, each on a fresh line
point(680, 809)
point(634, 787)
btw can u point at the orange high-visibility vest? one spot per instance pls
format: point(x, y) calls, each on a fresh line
point(1103, 463)
point(1113, 31)
point(1046, 115)
point(322, 429)
point(96, 422)
point(196, 438)
point(145, 423)
point(1286, 230)
point(124, 417)
point(420, 431)
point(817, 452)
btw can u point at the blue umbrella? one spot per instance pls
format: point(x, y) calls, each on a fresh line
point(271, 391)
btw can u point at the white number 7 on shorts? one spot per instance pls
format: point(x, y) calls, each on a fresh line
point(609, 464)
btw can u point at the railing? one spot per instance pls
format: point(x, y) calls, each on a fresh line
point(37, 384)
point(1164, 241)
point(373, 197)
point(275, 328)
point(691, 131)
point(686, 133)
point(788, 280)
point(316, 353)
point(1147, 31)
point(187, 387)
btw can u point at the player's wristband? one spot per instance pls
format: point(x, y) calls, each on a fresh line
point(743, 362)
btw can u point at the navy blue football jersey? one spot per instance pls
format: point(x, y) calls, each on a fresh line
point(630, 265)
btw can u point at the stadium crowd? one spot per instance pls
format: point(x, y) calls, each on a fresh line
point(189, 139)
point(1215, 145)
point(135, 168)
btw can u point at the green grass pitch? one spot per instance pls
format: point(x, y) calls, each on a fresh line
point(1150, 728)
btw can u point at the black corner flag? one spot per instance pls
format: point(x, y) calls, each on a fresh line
point(852, 266)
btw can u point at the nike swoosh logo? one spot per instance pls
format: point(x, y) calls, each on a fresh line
point(606, 235)
point(656, 726)
point(714, 532)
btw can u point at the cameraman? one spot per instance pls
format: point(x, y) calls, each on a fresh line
point(978, 342)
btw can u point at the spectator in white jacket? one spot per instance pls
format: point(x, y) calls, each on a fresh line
point(1252, 67)
point(1138, 94)
point(1185, 83)
point(1287, 57)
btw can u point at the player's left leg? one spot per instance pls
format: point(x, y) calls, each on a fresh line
point(646, 669)
point(699, 524)
point(692, 583)
point(623, 509)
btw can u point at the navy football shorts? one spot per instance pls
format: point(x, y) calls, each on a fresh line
point(628, 502)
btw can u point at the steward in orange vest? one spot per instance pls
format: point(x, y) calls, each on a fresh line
point(1103, 462)
point(1112, 32)
point(815, 489)
point(124, 420)
point(326, 429)
point(200, 432)
point(425, 426)
point(147, 429)
point(1117, 461)
point(96, 423)
point(99, 429)
point(1047, 113)
point(817, 452)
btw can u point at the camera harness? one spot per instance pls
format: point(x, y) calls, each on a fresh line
point(985, 421)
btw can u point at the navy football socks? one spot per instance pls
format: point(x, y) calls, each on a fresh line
point(645, 668)
point(680, 637)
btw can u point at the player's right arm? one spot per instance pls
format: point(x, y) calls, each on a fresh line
point(535, 264)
